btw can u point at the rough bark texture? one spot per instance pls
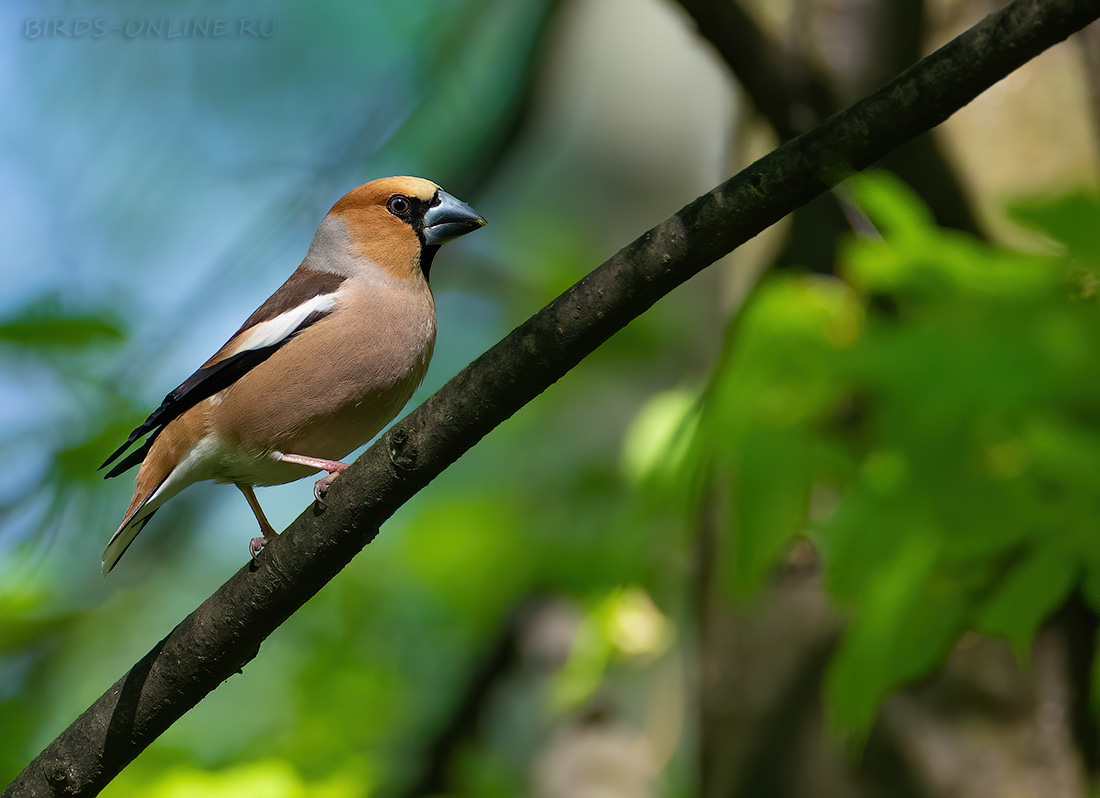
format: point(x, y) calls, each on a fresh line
point(225, 632)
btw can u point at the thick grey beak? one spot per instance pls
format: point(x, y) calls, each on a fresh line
point(448, 218)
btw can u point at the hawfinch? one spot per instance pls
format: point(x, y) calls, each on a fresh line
point(326, 362)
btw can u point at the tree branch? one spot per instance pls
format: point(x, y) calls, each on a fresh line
point(793, 95)
point(225, 632)
point(787, 91)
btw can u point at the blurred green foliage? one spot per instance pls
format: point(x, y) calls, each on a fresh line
point(42, 327)
point(930, 420)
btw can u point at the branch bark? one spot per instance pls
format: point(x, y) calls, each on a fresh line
point(792, 95)
point(225, 632)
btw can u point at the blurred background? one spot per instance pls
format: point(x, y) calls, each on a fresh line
point(822, 522)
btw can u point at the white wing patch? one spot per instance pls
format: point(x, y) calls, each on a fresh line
point(284, 325)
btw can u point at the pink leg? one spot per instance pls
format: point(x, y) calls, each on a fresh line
point(334, 467)
point(266, 529)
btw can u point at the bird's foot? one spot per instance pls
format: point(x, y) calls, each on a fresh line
point(334, 468)
point(256, 545)
point(267, 531)
point(321, 486)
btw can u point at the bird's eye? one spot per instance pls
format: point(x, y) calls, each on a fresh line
point(399, 205)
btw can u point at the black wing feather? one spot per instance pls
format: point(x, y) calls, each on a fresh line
point(203, 384)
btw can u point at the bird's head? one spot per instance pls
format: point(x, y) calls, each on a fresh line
point(396, 223)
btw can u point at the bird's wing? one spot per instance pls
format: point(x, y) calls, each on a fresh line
point(306, 298)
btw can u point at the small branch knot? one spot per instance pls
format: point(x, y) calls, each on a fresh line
point(59, 777)
point(403, 452)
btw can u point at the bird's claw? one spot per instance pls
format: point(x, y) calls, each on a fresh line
point(321, 486)
point(255, 546)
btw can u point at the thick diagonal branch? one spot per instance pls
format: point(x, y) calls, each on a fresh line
point(793, 95)
point(224, 633)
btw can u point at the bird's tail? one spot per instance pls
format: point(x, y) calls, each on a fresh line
point(168, 468)
point(153, 487)
point(134, 522)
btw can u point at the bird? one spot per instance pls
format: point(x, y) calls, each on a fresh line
point(316, 371)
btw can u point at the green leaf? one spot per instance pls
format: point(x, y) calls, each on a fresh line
point(906, 620)
point(43, 325)
point(771, 486)
point(895, 209)
point(1070, 220)
point(1030, 592)
point(656, 444)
